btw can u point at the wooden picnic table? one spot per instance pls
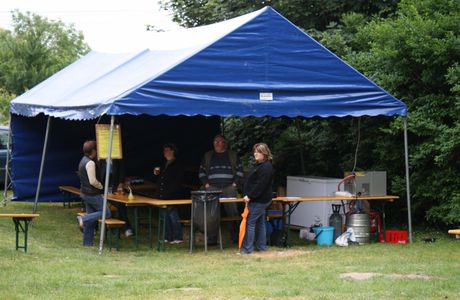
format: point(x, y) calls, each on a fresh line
point(148, 203)
point(289, 206)
point(455, 232)
point(21, 227)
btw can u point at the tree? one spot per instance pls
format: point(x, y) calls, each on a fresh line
point(414, 55)
point(35, 49)
point(5, 99)
point(306, 14)
point(413, 52)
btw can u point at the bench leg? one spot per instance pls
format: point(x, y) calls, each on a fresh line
point(161, 228)
point(118, 238)
point(111, 232)
point(21, 228)
point(109, 237)
point(191, 235)
point(150, 228)
point(136, 226)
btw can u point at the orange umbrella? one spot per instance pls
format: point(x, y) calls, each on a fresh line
point(244, 217)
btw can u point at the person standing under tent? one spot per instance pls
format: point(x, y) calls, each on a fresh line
point(221, 169)
point(169, 187)
point(258, 196)
point(91, 191)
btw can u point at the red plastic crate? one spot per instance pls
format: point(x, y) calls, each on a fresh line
point(394, 237)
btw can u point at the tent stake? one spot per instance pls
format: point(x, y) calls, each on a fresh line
point(106, 184)
point(42, 164)
point(406, 158)
point(7, 163)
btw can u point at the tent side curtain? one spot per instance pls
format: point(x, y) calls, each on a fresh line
point(143, 137)
point(261, 65)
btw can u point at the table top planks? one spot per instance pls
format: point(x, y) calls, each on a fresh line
point(20, 216)
point(335, 198)
point(140, 200)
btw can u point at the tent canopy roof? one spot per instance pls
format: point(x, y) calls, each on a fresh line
point(258, 64)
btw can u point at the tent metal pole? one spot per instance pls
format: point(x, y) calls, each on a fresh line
point(106, 184)
point(7, 163)
point(299, 136)
point(406, 158)
point(42, 164)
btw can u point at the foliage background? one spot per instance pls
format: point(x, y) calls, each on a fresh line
point(411, 48)
point(33, 50)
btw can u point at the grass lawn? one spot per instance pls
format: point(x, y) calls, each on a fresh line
point(58, 267)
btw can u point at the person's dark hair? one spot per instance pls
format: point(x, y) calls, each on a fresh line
point(220, 136)
point(88, 147)
point(171, 146)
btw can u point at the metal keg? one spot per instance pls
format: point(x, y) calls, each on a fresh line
point(361, 225)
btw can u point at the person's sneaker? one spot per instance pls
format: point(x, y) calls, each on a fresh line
point(80, 223)
point(176, 242)
point(129, 232)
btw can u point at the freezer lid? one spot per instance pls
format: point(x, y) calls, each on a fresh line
point(313, 179)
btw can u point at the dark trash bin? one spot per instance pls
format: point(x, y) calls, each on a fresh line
point(205, 216)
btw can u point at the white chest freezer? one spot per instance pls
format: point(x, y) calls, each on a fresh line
point(307, 213)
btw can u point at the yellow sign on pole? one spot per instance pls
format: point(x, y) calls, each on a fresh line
point(102, 140)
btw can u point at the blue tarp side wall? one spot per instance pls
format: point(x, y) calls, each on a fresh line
point(64, 149)
point(143, 137)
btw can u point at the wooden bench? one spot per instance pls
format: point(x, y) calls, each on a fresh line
point(113, 228)
point(21, 227)
point(69, 191)
point(455, 232)
point(110, 224)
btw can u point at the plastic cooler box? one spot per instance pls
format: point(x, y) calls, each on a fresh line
point(394, 237)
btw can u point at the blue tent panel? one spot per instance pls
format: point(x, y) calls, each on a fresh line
point(258, 64)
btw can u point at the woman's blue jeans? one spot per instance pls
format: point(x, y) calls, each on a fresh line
point(255, 228)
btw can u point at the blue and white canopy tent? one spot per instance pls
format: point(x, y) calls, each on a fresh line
point(259, 64)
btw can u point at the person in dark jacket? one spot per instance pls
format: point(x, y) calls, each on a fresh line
point(258, 196)
point(169, 187)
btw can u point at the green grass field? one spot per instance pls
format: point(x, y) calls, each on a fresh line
point(57, 267)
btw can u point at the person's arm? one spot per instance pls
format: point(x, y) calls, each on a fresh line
point(202, 175)
point(91, 171)
point(264, 178)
